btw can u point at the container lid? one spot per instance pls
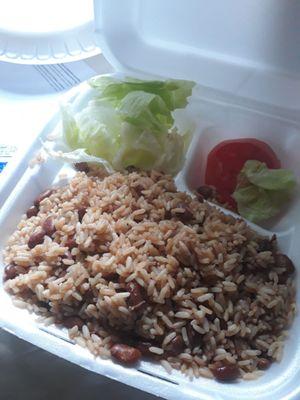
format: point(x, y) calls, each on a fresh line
point(47, 32)
point(248, 48)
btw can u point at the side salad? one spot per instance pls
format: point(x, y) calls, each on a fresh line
point(247, 176)
point(129, 123)
point(145, 124)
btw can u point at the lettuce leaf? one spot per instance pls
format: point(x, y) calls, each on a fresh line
point(132, 123)
point(146, 111)
point(76, 156)
point(261, 192)
point(173, 92)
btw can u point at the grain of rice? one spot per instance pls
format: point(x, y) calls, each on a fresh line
point(156, 350)
point(167, 321)
point(73, 331)
point(91, 346)
point(272, 303)
point(199, 291)
point(178, 325)
point(168, 339)
point(206, 373)
point(198, 329)
point(185, 337)
point(204, 297)
point(167, 366)
point(124, 310)
point(244, 363)
point(76, 296)
point(183, 314)
point(249, 376)
point(233, 330)
point(186, 357)
point(251, 353)
point(206, 310)
point(85, 332)
point(80, 341)
point(262, 343)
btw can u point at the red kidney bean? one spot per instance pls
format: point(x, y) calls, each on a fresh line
point(81, 212)
point(112, 277)
point(193, 336)
point(26, 293)
point(283, 261)
point(32, 211)
point(71, 243)
point(223, 324)
point(184, 216)
point(199, 197)
point(88, 296)
point(136, 299)
point(225, 372)
point(263, 363)
point(36, 238)
point(125, 354)
point(176, 346)
point(131, 168)
point(48, 226)
point(11, 271)
point(82, 167)
point(138, 190)
point(69, 322)
point(44, 304)
point(62, 273)
point(42, 196)
point(143, 347)
point(168, 214)
point(205, 191)
point(209, 279)
point(265, 245)
point(67, 256)
point(282, 278)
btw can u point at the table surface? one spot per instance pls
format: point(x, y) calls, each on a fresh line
point(27, 372)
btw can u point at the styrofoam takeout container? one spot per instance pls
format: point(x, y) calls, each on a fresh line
point(34, 32)
point(244, 56)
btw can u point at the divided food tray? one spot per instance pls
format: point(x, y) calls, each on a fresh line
point(217, 118)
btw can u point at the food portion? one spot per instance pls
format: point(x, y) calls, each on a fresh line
point(129, 122)
point(262, 192)
point(135, 269)
point(247, 177)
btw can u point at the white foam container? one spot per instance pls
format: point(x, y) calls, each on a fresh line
point(54, 34)
point(244, 56)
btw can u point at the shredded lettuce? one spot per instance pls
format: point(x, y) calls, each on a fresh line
point(131, 123)
point(261, 192)
point(76, 156)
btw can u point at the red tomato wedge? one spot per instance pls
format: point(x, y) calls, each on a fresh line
point(226, 160)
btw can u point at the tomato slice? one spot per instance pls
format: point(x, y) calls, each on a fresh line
point(226, 160)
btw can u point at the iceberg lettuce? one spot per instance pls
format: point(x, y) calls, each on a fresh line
point(131, 123)
point(261, 192)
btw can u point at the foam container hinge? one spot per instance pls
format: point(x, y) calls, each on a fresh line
point(222, 108)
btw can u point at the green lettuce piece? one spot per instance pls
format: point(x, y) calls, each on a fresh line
point(146, 111)
point(272, 179)
point(261, 192)
point(69, 127)
point(173, 92)
point(132, 123)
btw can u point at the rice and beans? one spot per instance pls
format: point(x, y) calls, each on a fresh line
point(134, 268)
